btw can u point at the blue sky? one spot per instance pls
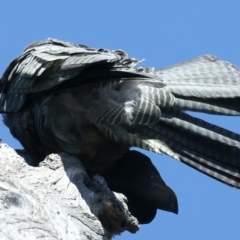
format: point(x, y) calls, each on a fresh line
point(164, 33)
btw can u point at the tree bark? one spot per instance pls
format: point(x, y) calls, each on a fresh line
point(57, 200)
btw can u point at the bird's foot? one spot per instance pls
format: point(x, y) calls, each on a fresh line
point(113, 212)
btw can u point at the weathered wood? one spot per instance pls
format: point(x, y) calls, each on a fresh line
point(57, 200)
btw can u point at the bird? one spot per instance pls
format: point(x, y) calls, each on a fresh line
point(97, 104)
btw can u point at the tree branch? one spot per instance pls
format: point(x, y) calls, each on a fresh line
point(57, 200)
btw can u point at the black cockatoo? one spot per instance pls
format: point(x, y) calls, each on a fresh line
point(96, 104)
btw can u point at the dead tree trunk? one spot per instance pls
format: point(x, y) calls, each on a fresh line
point(57, 200)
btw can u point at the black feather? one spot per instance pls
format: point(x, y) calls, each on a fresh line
point(95, 104)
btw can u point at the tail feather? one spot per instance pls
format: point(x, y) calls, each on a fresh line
point(218, 106)
point(216, 159)
point(205, 84)
point(214, 172)
point(198, 126)
point(183, 142)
